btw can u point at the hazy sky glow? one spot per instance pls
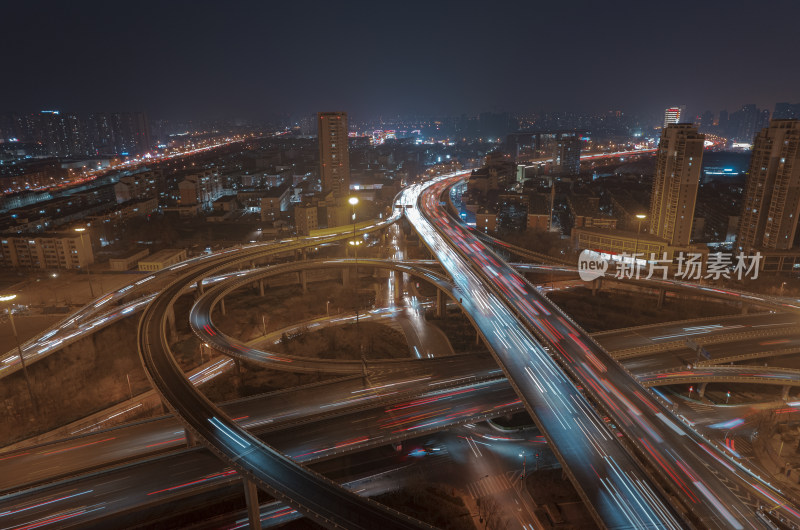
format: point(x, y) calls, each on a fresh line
point(237, 59)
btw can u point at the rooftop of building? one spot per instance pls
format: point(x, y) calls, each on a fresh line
point(163, 255)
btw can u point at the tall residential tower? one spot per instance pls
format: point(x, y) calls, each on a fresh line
point(680, 157)
point(771, 204)
point(334, 157)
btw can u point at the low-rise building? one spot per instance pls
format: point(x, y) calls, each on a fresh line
point(162, 259)
point(127, 261)
point(585, 213)
point(618, 242)
point(305, 219)
point(67, 250)
point(485, 220)
point(274, 201)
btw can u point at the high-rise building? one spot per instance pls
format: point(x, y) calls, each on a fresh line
point(673, 115)
point(334, 156)
point(745, 120)
point(707, 121)
point(567, 160)
point(786, 111)
point(771, 205)
point(680, 157)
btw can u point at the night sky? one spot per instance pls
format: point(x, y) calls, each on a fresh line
point(236, 59)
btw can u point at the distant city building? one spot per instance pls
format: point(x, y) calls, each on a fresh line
point(200, 189)
point(334, 155)
point(786, 111)
point(672, 202)
point(771, 205)
point(60, 134)
point(673, 115)
point(567, 159)
point(47, 251)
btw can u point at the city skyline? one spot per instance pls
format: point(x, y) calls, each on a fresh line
point(250, 61)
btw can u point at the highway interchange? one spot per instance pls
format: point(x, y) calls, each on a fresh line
point(627, 496)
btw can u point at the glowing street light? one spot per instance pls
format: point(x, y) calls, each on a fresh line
point(83, 247)
point(353, 201)
point(640, 217)
point(8, 298)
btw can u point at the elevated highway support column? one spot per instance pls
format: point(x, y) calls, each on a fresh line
point(441, 304)
point(222, 307)
point(701, 389)
point(785, 392)
point(597, 284)
point(251, 498)
point(662, 294)
point(398, 286)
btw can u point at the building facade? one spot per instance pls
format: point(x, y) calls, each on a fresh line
point(47, 252)
point(674, 193)
point(771, 205)
point(334, 155)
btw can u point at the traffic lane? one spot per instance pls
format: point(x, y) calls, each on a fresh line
point(651, 335)
point(69, 456)
point(622, 496)
point(181, 473)
point(682, 358)
point(612, 385)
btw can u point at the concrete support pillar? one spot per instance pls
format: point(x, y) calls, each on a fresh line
point(305, 253)
point(701, 389)
point(237, 366)
point(171, 330)
point(261, 287)
point(398, 286)
point(191, 440)
point(304, 281)
point(477, 338)
point(662, 294)
point(441, 309)
point(345, 277)
point(253, 508)
point(200, 286)
point(597, 284)
point(785, 392)
point(222, 307)
point(745, 309)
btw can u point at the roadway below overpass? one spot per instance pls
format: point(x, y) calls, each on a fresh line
point(106, 494)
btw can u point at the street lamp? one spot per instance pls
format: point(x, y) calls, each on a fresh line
point(353, 201)
point(640, 217)
point(355, 243)
point(8, 298)
point(83, 247)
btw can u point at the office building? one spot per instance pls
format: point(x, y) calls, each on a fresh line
point(673, 115)
point(771, 205)
point(334, 156)
point(672, 202)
